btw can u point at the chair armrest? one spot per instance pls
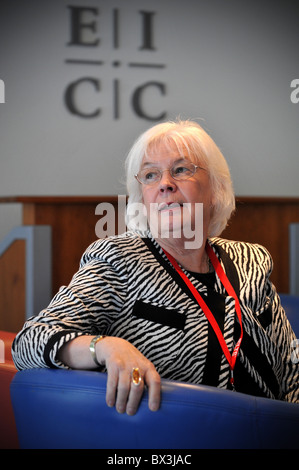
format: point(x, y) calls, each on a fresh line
point(66, 409)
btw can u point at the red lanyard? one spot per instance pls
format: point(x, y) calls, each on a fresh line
point(231, 358)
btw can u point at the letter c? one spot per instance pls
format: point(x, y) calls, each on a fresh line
point(69, 97)
point(137, 97)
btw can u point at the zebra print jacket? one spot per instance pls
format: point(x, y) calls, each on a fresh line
point(126, 287)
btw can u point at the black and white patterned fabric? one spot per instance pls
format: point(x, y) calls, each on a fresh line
point(126, 287)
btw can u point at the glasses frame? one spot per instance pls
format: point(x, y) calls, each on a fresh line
point(196, 167)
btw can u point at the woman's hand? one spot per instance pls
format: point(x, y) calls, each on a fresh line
point(120, 358)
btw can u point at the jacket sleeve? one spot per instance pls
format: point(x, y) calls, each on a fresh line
point(282, 335)
point(266, 318)
point(86, 306)
point(286, 342)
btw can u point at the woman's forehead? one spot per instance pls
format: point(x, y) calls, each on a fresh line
point(169, 150)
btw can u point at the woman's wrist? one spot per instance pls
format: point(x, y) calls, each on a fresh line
point(92, 348)
point(76, 354)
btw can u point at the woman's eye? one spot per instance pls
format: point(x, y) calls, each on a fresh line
point(180, 169)
point(151, 175)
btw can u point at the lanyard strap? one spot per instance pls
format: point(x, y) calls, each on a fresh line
point(231, 358)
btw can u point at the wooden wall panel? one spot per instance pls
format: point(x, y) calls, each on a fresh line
point(12, 287)
point(266, 221)
point(73, 221)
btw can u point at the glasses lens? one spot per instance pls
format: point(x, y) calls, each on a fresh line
point(149, 175)
point(182, 171)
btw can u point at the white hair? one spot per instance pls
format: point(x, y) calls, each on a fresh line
point(192, 142)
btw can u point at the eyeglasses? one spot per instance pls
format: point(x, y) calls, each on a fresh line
point(180, 171)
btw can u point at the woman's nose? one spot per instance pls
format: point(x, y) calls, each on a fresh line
point(167, 183)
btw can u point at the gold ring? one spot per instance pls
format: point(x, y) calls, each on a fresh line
point(136, 376)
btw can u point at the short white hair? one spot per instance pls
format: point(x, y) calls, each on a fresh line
point(191, 141)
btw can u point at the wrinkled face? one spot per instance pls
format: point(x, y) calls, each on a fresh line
point(173, 204)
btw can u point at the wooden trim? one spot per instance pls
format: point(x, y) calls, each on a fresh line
point(113, 198)
point(266, 200)
point(58, 199)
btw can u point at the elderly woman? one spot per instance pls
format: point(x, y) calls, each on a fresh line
point(168, 298)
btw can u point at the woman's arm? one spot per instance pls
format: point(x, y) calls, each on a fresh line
point(92, 301)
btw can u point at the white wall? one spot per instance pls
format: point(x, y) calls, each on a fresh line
point(228, 63)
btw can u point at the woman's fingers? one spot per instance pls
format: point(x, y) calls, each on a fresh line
point(125, 393)
point(135, 393)
point(112, 384)
point(153, 381)
point(122, 392)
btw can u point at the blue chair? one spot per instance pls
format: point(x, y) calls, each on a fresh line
point(66, 409)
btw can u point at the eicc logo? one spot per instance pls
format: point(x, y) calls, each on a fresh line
point(86, 33)
point(2, 91)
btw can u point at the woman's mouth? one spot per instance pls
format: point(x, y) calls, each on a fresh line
point(169, 206)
